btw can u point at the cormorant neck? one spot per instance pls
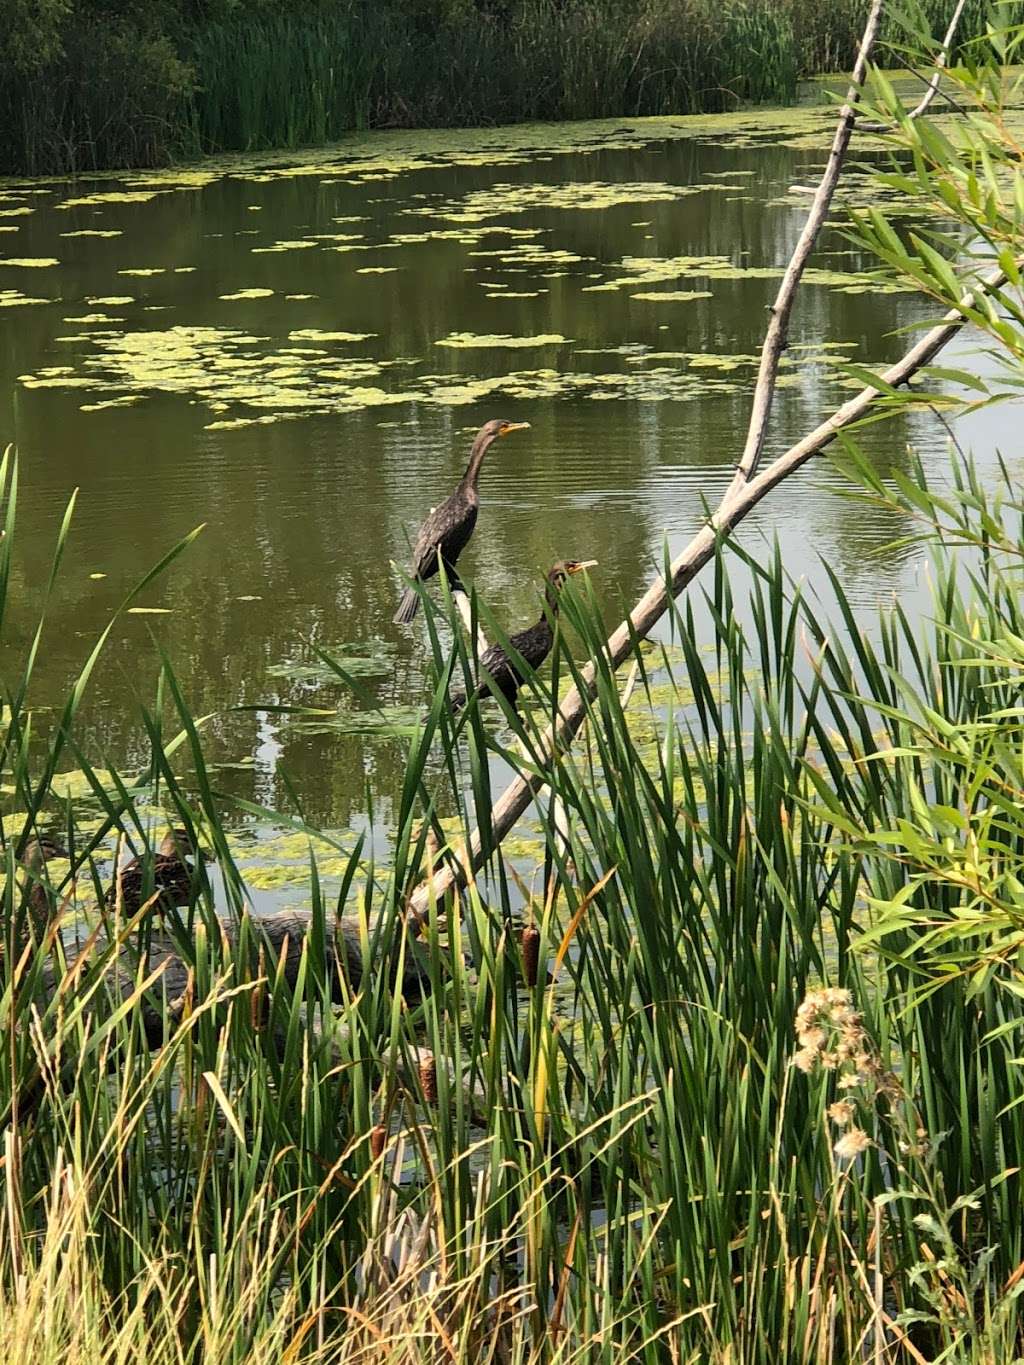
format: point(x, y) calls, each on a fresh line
point(476, 458)
point(551, 596)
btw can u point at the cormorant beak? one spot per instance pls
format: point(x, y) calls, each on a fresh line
point(578, 565)
point(514, 426)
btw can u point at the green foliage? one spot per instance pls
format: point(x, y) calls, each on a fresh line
point(136, 83)
point(613, 1158)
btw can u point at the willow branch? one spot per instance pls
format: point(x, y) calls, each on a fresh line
point(738, 501)
point(781, 310)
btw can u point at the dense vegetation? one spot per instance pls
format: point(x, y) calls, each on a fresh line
point(103, 83)
point(748, 1089)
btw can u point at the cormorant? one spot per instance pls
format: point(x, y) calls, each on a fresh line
point(173, 876)
point(446, 531)
point(499, 673)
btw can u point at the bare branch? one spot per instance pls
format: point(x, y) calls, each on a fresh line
point(466, 612)
point(940, 62)
point(933, 85)
point(778, 327)
point(738, 501)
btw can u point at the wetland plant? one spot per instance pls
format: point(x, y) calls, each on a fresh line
point(742, 1084)
point(623, 1154)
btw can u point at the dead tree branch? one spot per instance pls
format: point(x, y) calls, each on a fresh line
point(778, 327)
point(936, 78)
point(734, 507)
point(745, 491)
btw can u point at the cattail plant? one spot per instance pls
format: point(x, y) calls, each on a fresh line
point(529, 941)
point(428, 1078)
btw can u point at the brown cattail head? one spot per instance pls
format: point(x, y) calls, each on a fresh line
point(530, 944)
point(428, 1079)
point(378, 1137)
point(259, 1007)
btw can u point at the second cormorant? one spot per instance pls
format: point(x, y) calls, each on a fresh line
point(504, 674)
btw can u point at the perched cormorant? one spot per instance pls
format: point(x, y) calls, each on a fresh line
point(172, 880)
point(446, 531)
point(501, 674)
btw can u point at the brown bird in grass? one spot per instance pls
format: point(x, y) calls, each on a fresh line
point(171, 877)
point(446, 531)
point(501, 672)
point(35, 855)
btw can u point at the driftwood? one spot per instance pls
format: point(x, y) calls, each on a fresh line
point(745, 491)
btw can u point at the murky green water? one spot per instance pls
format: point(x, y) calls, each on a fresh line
point(296, 353)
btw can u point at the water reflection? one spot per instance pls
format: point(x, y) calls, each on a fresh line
point(304, 514)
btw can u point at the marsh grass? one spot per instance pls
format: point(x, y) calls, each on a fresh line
point(616, 1162)
point(153, 83)
point(646, 1149)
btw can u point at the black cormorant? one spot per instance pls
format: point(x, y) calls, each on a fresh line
point(499, 672)
point(446, 531)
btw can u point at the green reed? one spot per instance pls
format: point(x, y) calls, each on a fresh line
point(630, 1156)
point(619, 1163)
point(151, 83)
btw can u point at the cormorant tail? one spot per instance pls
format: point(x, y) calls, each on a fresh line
point(407, 608)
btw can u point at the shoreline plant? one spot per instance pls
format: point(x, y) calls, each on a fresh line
point(97, 87)
point(611, 1157)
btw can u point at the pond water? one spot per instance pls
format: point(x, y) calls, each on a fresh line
point(296, 351)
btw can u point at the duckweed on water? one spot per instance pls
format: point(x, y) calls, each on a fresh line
point(300, 245)
point(384, 722)
point(359, 659)
point(470, 341)
point(594, 195)
point(13, 298)
point(848, 283)
point(673, 295)
point(315, 334)
point(243, 294)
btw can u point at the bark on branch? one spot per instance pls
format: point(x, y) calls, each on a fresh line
point(933, 85)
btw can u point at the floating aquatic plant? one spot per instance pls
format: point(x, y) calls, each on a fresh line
point(471, 341)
